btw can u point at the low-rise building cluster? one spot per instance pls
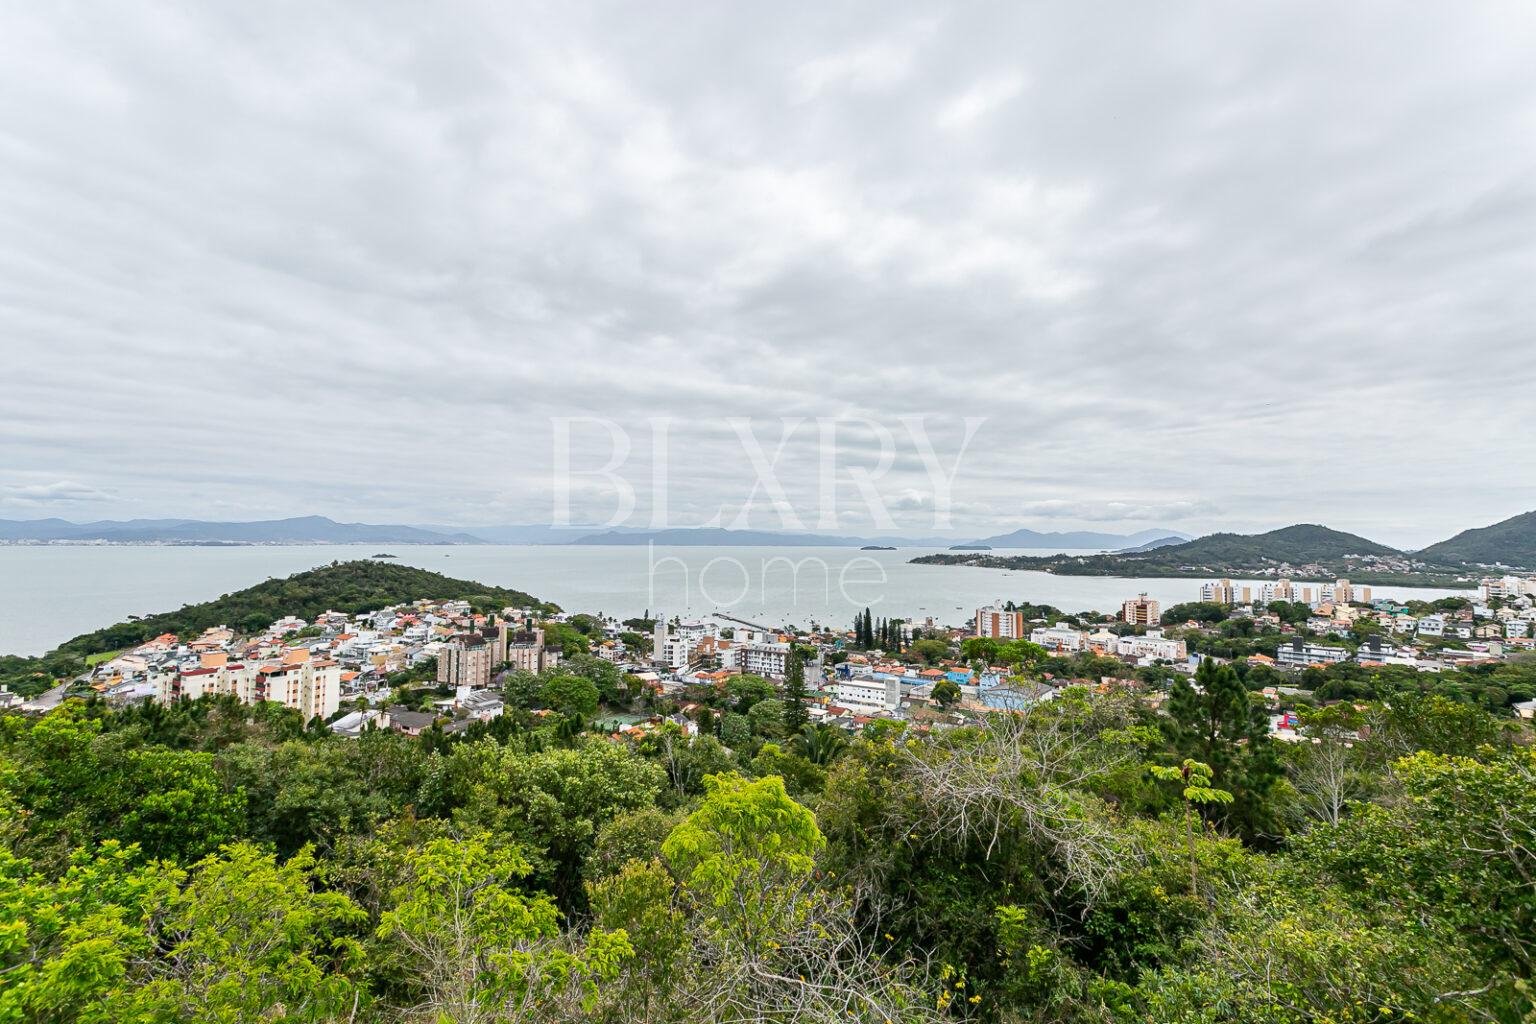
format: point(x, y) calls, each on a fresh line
point(314, 667)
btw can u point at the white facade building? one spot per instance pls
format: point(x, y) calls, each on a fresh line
point(1506, 586)
point(860, 693)
point(1059, 640)
point(761, 659)
point(1153, 645)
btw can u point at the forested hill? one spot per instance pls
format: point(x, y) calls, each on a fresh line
point(341, 586)
point(1323, 551)
point(1512, 542)
point(1298, 545)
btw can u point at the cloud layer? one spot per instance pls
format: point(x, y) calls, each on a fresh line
point(1229, 267)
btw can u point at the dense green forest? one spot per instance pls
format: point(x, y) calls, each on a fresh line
point(1512, 542)
point(349, 587)
point(1092, 860)
point(1232, 554)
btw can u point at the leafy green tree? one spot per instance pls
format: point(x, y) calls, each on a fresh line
point(521, 688)
point(1459, 850)
point(1302, 953)
point(553, 802)
point(735, 730)
point(630, 835)
point(475, 947)
point(236, 937)
point(177, 807)
point(571, 695)
point(1195, 611)
point(930, 652)
point(744, 853)
point(798, 773)
point(689, 760)
point(1438, 724)
point(981, 649)
point(1021, 653)
point(746, 690)
point(767, 717)
point(612, 684)
point(946, 692)
point(638, 902)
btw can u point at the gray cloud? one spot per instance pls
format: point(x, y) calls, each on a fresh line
point(1232, 266)
point(57, 492)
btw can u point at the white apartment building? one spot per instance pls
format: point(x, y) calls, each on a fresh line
point(761, 659)
point(864, 692)
point(1344, 592)
point(1285, 590)
point(673, 644)
point(1059, 640)
point(1432, 625)
point(1506, 586)
point(1226, 592)
point(1103, 642)
point(1299, 653)
point(1153, 645)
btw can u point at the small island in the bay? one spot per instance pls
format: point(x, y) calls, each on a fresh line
point(971, 547)
point(385, 554)
point(877, 547)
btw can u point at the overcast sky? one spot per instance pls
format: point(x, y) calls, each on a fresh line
point(1198, 265)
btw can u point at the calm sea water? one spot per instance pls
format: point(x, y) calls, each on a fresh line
point(51, 593)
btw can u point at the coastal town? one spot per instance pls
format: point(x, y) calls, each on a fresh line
point(441, 666)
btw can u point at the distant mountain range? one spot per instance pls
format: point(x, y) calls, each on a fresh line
point(1510, 543)
point(1153, 545)
point(320, 530)
point(1076, 541)
point(693, 536)
point(301, 530)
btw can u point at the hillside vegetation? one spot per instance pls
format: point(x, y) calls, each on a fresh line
point(1512, 542)
point(341, 586)
point(1332, 552)
point(1295, 544)
point(1327, 551)
point(1091, 861)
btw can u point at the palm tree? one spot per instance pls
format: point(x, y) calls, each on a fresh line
point(821, 744)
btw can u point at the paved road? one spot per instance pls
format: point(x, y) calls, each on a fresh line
point(50, 699)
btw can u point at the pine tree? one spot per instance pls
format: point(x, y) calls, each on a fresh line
point(795, 714)
point(1222, 726)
